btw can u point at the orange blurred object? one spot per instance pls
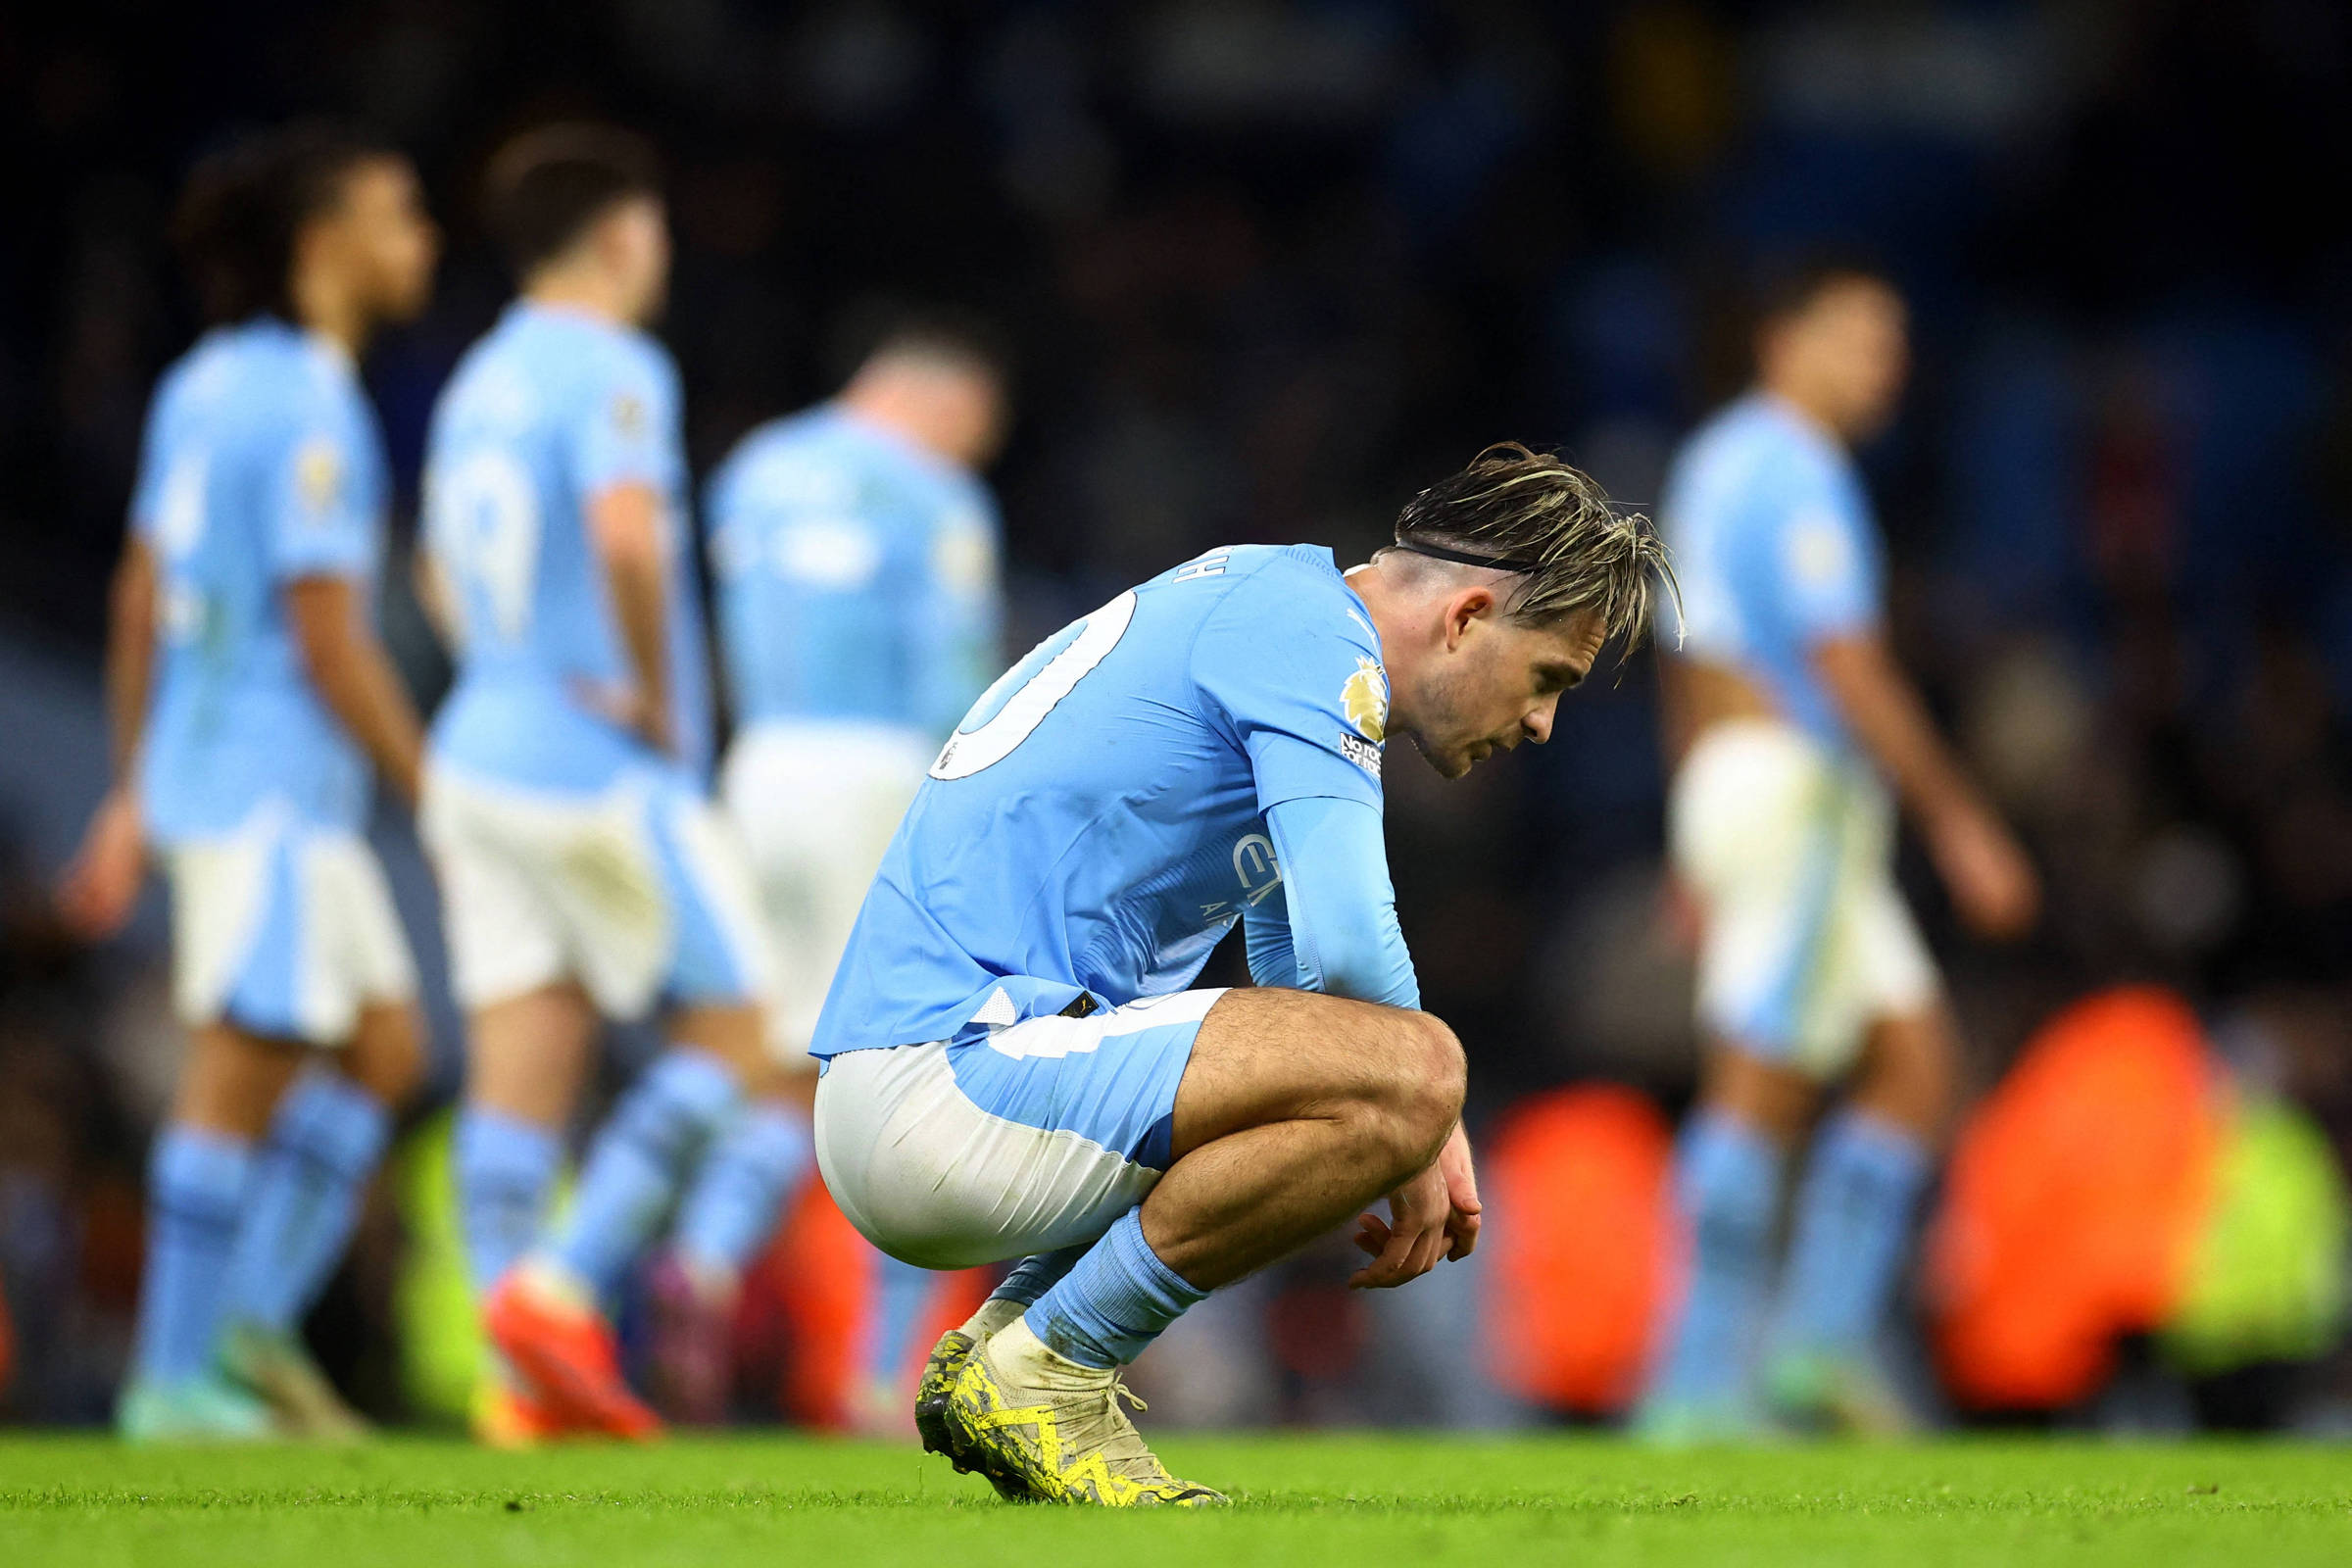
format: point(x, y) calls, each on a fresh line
point(1580, 1182)
point(568, 1354)
point(806, 1305)
point(2074, 1199)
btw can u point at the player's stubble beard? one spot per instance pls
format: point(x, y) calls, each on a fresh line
point(1441, 694)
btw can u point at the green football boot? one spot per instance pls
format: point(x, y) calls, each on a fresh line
point(208, 1409)
point(279, 1369)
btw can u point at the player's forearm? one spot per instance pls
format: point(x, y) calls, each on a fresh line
point(639, 598)
point(355, 680)
point(1344, 932)
point(626, 525)
point(1883, 711)
point(129, 655)
point(433, 595)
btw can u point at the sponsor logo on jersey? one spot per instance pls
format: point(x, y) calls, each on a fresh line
point(1365, 699)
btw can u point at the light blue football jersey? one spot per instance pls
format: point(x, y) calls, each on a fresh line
point(547, 411)
point(856, 576)
point(1097, 821)
point(1775, 549)
point(262, 464)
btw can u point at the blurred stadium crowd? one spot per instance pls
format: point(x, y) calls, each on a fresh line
point(1268, 268)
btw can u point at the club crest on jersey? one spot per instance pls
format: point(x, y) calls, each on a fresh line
point(1365, 701)
point(318, 474)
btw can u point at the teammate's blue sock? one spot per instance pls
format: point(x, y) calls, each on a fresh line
point(902, 1291)
point(196, 1186)
point(505, 1167)
point(1033, 1277)
point(323, 1145)
point(753, 1170)
point(1115, 1302)
point(1853, 1219)
point(641, 1157)
point(1730, 1182)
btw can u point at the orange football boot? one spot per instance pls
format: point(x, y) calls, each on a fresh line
point(565, 1352)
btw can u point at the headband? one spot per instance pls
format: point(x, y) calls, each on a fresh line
point(1463, 557)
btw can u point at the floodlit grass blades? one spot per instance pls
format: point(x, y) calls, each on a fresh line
point(760, 1500)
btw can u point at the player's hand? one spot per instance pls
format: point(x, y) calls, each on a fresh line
point(1992, 884)
point(1464, 1212)
point(624, 707)
point(1434, 1216)
point(101, 886)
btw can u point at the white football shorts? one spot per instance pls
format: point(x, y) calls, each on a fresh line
point(283, 930)
point(816, 804)
point(1032, 1138)
point(1790, 851)
point(641, 893)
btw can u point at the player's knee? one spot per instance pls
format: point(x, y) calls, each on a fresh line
point(1425, 1077)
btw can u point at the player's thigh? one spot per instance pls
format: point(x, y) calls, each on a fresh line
point(492, 855)
point(1032, 1138)
point(1770, 1095)
point(233, 1079)
point(387, 1054)
point(1269, 1055)
point(1911, 1055)
point(527, 1055)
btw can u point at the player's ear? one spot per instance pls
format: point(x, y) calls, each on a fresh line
point(1470, 606)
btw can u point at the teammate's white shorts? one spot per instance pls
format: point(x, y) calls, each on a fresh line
point(283, 930)
point(1029, 1139)
point(1790, 851)
point(818, 804)
point(640, 893)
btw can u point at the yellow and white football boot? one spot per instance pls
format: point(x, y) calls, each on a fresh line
point(938, 1385)
point(1025, 1416)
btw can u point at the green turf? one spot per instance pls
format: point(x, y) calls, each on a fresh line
point(1332, 1502)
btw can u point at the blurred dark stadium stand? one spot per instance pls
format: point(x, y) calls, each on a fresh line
point(1271, 267)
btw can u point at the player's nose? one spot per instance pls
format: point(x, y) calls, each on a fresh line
point(1537, 723)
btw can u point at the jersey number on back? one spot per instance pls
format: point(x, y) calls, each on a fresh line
point(1026, 693)
point(484, 521)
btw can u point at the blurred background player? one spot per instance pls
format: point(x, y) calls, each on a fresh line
point(1790, 722)
point(585, 871)
point(856, 553)
point(249, 695)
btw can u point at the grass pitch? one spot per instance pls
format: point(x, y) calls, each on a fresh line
point(1330, 1503)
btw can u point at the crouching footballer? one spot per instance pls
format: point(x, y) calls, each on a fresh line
point(1013, 1067)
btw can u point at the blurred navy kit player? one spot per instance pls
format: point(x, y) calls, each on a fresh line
point(250, 702)
point(854, 550)
point(1014, 1065)
point(1794, 735)
point(585, 872)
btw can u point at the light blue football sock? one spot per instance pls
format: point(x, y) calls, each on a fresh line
point(901, 1292)
point(324, 1146)
point(1853, 1221)
point(196, 1187)
point(1033, 1277)
point(1729, 1177)
point(738, 1195)
point(640, 1158)
point(505, 1167)
point(1115, 1302)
